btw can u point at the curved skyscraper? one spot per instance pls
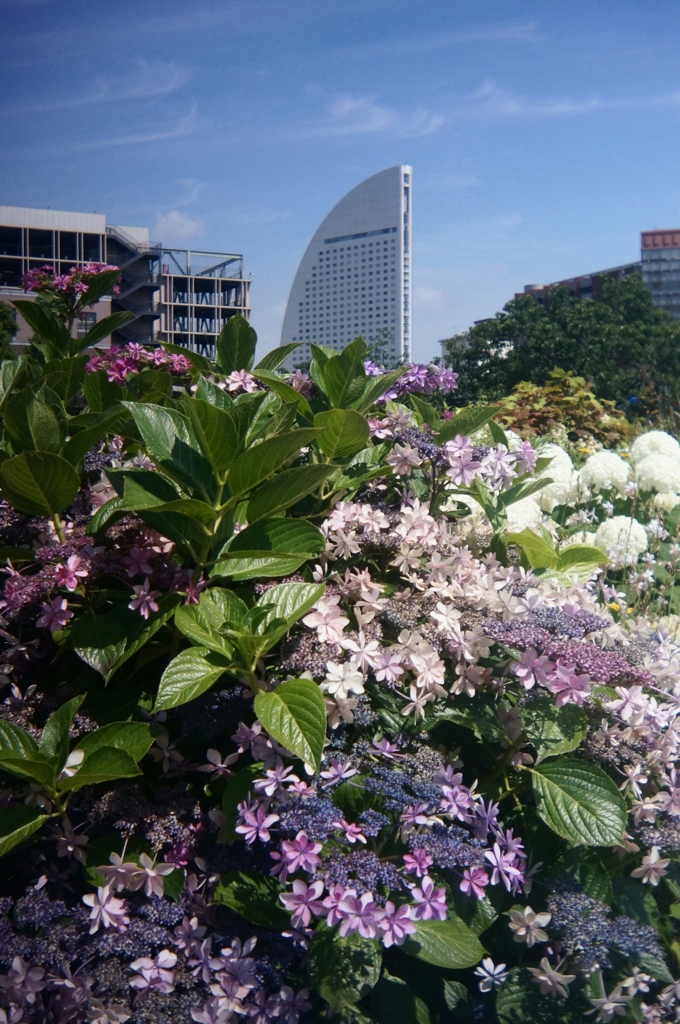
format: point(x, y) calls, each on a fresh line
point(355, 276)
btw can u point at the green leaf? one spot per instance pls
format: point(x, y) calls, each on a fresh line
point(101, 393)
point(448, 943)
point(235, 346)
point(273, 547)
point(134, 738)
point(216, 432)
point(39, 483)
point(103, 328)
point(498, 435)
point(552, 730)
point(285, 392)
point(202, 622)
point(425, 412)
point(17, 824)
point(466, 422)
point(187, 676)
point(65, 376)
point(33, 425)
point(290, 601)
point(254, 896)
point(141, 488)
point(45, 324)
point(580, 802)
point(580, 555)
point(294, 714)
point(209, 392)
point(173, 445)
point(344, 432)
point(287, 487)
point(11, 373)
point(343, 970)
point(540, 554)
point(262, 460)
point(344, 375)
point(104, 764)
point(106, 642)
point(54, 742)
point(376, 387)
point(273, 359)
point(392, 1000)
point(16, 741)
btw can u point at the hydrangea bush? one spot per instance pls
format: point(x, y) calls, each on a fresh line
point(309, 715)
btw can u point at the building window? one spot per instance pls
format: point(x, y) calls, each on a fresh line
point(84, 323)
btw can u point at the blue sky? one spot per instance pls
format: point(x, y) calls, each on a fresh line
point(543, 136)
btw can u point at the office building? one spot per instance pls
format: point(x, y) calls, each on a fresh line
point(355, 276)
point(176, 295)
point(585, 286)
point(660, 264)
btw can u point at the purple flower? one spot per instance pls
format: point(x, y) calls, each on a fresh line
point(430, 902)
point(360, 914)
point(331, 905)
point(292, 1005)
point(69, 575)
point(504, 867)
point(396, 924)
point(145, 600)
point(137, 561)
point(23, 981)
point(303, 901)
point(338, 772)
point(155, 974)
point(474, 881)
point(55, 615)
point(107, 910)
point(256, 825)
point(417, 862)
point(300, 853)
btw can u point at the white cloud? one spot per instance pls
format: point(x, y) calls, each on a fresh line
point(429, 298)
point(176, 226)
point(492, 101)
point(364, 115)
point(525, 32)
point(185, 126)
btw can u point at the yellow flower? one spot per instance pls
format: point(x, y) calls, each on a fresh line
point(615, 606)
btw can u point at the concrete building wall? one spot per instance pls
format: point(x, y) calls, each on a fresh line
point(355, 276)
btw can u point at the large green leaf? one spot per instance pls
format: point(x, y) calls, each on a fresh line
point(216, 432)
point(45, 324)
point(290, 601)
point(425, 412)
point(33, 425)
point(580, 802)
point(376, 387)
point(38, 767)
point(285, 392)
point(448, 943)
point(104, 328)
point(235, 348)
point(539, 552)
point(552, 730)
point(392, 1000)
point(106, 642)
point(187, 676)
point(65, 376)
point(344, 376)
point(173, 445)
point(344, 432)
point(581, 555)
point(134, 738)
point(16, 741)
point(262, 460)
point(17, 824)
point(272, 360)
point(343, 971)
point(254, 897)
point(11, 373)
point(54, 742)
point(101, 393)
point(39, 483)
point(141, 488)
point(201, 623)
point(466, 422)
point(294, 714)
point(285, 490)
point(272, 547)
point(198, 362)
point(104, 764)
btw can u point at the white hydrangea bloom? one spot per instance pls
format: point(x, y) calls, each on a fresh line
point(654, 442)
point(603, 471)
point(525, 513)
point(658, 473)
point(622, 539)
point(666, 501)
point(563, 475)
point(580, 537)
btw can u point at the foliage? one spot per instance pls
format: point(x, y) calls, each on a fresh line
point(302, 723)
point(620, 342)
point(567, 403)
point(8, 329)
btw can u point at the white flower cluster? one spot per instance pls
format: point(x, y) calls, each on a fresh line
point(564, 478)
point(622, 539)
point(603, 471)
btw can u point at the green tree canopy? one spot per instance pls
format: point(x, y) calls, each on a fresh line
point(627, 347)
point(8, 328)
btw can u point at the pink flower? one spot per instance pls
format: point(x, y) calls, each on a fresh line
point(155, 974)
point(430, 902)
point(303, 901)
point(55, 615)
point(107, 910)
point(353, 833)
point(417, 862)
point(150, 876)
point(531, 668)
point(387, 666)
point(301, 853)
point(138, 560)
point(327, 619)
point(145, 600)
point(569, 687)
point(23, 982)
point(403, 459)
point(241, 379)
point(504, 867)
point(338, 772)
point(396, 924)
point(474, 881)
point(69, 575)
point(360, 914)
point(218, 766)
point(331, 905)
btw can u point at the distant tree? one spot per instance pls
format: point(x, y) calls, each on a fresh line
point(624, 345)
point(8, 329)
